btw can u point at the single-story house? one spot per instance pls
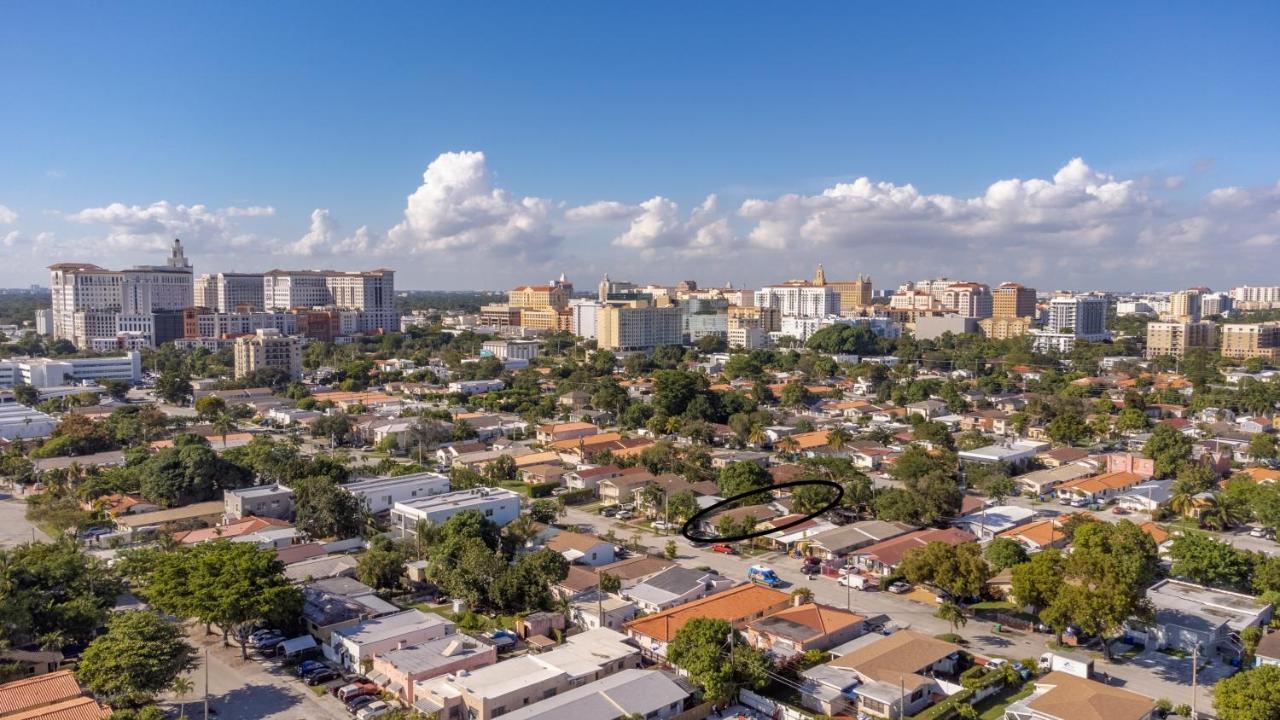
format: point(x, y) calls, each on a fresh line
point(675, 586)
point(989, 522)
point(840, 541)
point(804, 627)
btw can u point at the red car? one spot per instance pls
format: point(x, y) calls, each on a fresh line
point(724, 548)
point(1119, 511)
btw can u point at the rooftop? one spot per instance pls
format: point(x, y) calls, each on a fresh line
point(1059, 695)
point(735, 605)
point(629, 692)
point(390, 626)
point(904, 652)
point(1201, 608)
point(427, 656)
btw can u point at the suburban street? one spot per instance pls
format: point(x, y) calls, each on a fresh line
point(1154, 674)
point(14, 527)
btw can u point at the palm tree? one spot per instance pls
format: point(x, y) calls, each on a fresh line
point(673, 424)
point(789, 446)
point(1219, 512)
point(756, 435)
point(952, 613)
point(1183, 502)
point(837, 437)
point(182, 686)
point(223, 425)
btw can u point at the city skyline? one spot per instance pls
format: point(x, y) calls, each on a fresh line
point(479, 159)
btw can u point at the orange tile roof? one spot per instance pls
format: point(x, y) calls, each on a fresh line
point(735, 605)
point(822, 619)
point(1106, 481)
point(244, 526)
point(810, 440)
point(1262, 475)
point(1040, 532)
point(80, 708)
point(564, 426)
point(1157, 533)
point(586, 442)
point(21, 695)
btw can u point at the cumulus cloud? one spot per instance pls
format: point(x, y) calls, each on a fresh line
point(658, 224)
point(458, 207)
point(153, 227)
point(603, 211)
point(324, 237)
point(7, 216)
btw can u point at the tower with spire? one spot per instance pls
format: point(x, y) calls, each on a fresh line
point(177, 260)
point(820, 277)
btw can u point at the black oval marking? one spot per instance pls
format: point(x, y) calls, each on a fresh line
point(691, 522)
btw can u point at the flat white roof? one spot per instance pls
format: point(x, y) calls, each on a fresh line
point(459, 498)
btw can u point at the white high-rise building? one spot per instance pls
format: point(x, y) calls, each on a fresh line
point(801, 300)
point(87, 298)
point(371, 292)
point(583, 317)
point(225, 292)
point(1084, 316)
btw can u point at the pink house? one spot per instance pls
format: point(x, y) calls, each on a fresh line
point(399, 669)
point(1131, 463)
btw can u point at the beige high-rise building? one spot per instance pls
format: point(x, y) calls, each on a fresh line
point(1004, 327)
point(1257, 340)
point(853, 294)
point(637, 326)
point(1012, 300)
point(1184, 306)
point(267, 348)
point(1176, 338)
point(767, 319)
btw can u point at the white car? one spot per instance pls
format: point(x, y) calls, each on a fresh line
point(373, 710)
point(899, 588)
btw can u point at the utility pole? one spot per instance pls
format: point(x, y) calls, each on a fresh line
point(206, 684)
point(1195, 663)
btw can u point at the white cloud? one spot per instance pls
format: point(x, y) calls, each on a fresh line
point(458, 207)
point(323, 237)
point(603, 211)
point(7, 216)
point(660, 225)
point(153, 227)
point(1174, 182)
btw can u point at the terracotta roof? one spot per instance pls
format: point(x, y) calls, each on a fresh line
point(565, 426)
point(81, 708)
point(821, 619)
point(1101, 483)
point(579, 579)
point(1075, 698)
point(244, 526)
point(588, 473)
point(1262, 475)
point(903, 653)
point(573, 541)
point(1157, 533)
point(891, 551)
point(588, 442)
point(735, 605)
point(1041, 533)
point(22, 695)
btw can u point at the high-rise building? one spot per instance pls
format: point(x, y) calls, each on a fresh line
point(767, 319)
point(370, 292)
point(1216, 304)
point(968, 300)
point(1176, 338)
point(204, 291)
point(637, 326)
point(1084, 316)
point(44, 322)
point(612, 289)
point(1256, 298)
point(267, 348)
point(1184, 306)
point(1011, 300)
point(87, 299)
point(583, 314)
point(799, 299)
point(853, 294)
point(1256, 340)
point(1003, 327)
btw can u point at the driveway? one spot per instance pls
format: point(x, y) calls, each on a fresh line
point(249, 690)
point(14, 527)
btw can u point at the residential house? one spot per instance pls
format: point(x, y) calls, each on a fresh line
point(1268, 650)
point(1131, 463)
point(675, 586)
point(1062, 696)
point(53, 696)
point(273, 501)
point(635, 569)
point(581, 548)
point(737, 606)
point(740, 516)
point(559, 432)
point(1146, 497)
point(1039, 483)
point(589, 477)
point(498, 689)
point(349, 646)
point(897, 674)
point(379, 494)
point(331, 604)
point(1187, 614)
point(1059, 456)
point(797, 531)
point(398, 670)
point(543, 474)
point(650, 694)
point(497, 505)
point(116, 504)
point(205, 513)
point(989, 522)
point(804, 627)
point(1016, 453)
point(839, 542)
point(321, 567)
point(882, 558)
point(1037, 535)
point(265, 532)
point(602, 611)
point(1098, 488)
point(622, 489)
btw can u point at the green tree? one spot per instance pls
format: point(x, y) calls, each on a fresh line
point(140, 655)
point(702, 649)
point(742, 476)
point(52, 594)
point(1169, 448)
point(1206, 561)
point(324, 510)
point(1262, 446)
point(952, 613)
point(1037, 581)
point(958, 569)
point(1220, 512)
point(501, 470)
point(1132, 420)
point(811, 498)
point(682, 506)
point(210, 407)
point(1249, 695)
point(382, 565)
point(795, 394)
point(545, 510)
point(1068, 429)
point(26, 394)
point(174, 387)
point(1003, 553)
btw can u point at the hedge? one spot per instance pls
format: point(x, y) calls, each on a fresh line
point(578, 497)
point(947, 708)
point(543, 490)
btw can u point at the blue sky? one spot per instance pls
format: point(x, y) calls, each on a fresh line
point(291, 134)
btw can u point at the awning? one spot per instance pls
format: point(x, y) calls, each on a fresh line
point(298, 644)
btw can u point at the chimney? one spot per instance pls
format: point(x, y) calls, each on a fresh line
point(797, 600)
point(400, 645)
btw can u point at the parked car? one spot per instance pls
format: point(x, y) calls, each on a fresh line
point(724, 548)
point(309, 666)
point(358, 701)
point(1117, 510)
point(625, 515)
point(321, 677)
point(899, 588)
point(609, 511)
point(373, 710)
point(355, 689)
point(662, 525)
point(1258, 532)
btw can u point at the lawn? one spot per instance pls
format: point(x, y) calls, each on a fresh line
point(993, 707)
point(474, 621)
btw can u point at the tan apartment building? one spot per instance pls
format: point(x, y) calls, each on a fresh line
point(1011, 300)
point(540, 296)
point(1004, 327)
point(746, 317)
point(1185, 305)
point(1176, 338)
point(267, 348)
point(637, 326)
point(1258, 340)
